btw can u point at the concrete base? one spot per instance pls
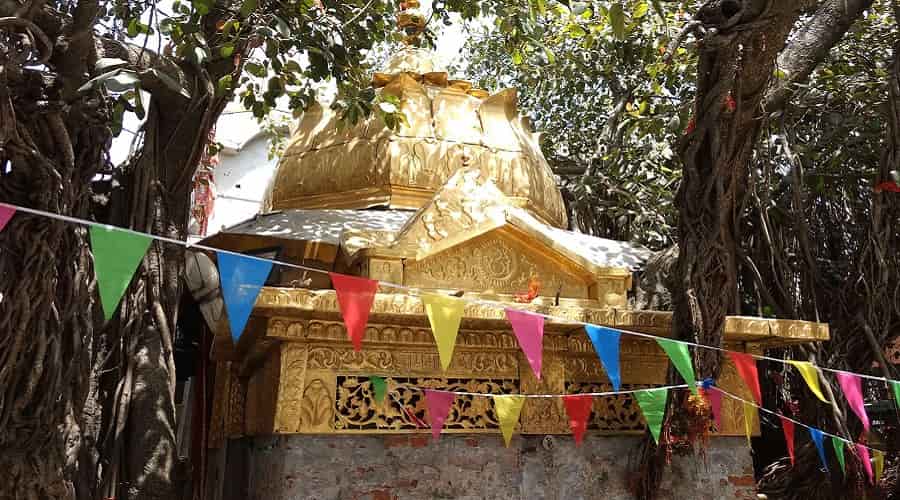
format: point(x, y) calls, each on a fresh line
point(409, 467)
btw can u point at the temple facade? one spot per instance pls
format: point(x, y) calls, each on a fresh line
point(458, 200)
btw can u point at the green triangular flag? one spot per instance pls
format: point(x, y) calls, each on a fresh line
point(117, 254)
point(653, 406)
point(896, 387)
point(681, 358)
point(379, 387)
point(838, 445)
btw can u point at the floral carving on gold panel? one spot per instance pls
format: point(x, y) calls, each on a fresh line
point(490, 263)
point(290, 391)
point(494, 363)
point(237, 397)
point(611, 413)
point(316, 406)
point(403, 408)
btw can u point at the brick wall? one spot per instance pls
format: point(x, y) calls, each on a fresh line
point(410, 467)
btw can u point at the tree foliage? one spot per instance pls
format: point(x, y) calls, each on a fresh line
point(611, 102)
point(808, 234)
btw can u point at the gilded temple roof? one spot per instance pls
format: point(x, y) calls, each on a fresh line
point(320, 225)
point(448, 124)
point(334, 226)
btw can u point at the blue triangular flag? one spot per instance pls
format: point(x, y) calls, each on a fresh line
point(606, 343)
point(241, 279)
point(818, 437)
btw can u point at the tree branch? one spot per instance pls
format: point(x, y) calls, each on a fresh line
point(141, 60)
point(809, 45)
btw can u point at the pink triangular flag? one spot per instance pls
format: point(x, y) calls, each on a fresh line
point(788, 427)
point(578, 407)
point(355, 297)
point(852, 387)
point(438, 404)
point(529, 330)
point(6, 213)
point(714, 396)
point(866, 460)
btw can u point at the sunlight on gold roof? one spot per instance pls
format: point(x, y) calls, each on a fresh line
point(448, 122)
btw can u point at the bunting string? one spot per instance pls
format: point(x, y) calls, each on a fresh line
point(241, 284)
point(594, 394)
point(420, 292)
point(793, 421)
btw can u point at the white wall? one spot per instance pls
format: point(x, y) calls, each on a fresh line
point(241, 180)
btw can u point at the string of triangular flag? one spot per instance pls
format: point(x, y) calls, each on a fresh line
point(508, 408)
point(652, 404)
point(872, 459)
point(118, 252)
point(261, 265)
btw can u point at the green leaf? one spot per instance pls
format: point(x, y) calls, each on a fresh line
point(388, 107)
point(282, 26)
point(640, 10)
point(551, 57)
point(118, 80)
point(202, 6)
point(617, 20)
point(109, 63)
point(226, 50)
point(168, 81)
point(139, 104)
point(517, 57)
point(255, 69)
point(578, 8)
point(247, 7)
point(292, 66)
point(133, 30)
point(225, 84)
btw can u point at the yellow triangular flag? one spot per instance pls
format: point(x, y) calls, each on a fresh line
point(749, 415)
point(508, 409)
point(811, 376)
point(878, 459)
point(444, 314)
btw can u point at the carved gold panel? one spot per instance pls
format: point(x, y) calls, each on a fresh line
point(386, 270)
point(544, 415)
point(219, 405)
point(404, 410)
point(236, 403)
point(312, 381)
point(494, 263)
point(315, 382)
point(262, 397)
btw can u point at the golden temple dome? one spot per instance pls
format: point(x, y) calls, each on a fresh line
point(448, 125)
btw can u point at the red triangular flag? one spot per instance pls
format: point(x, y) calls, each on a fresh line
point(6, 213)
point(438, 404)
point(355, 296)
point(788, 427)
point(714, 397)
point(578, 407)
point(746, 367)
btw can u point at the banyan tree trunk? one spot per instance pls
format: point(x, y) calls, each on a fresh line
point(87, 406)
point(737, 55)
point(864, 316)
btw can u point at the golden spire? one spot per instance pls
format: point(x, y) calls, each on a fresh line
point(411, 22)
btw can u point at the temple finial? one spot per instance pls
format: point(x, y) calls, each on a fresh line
point(411, 22)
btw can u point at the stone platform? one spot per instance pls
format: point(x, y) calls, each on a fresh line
point(411, 467)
